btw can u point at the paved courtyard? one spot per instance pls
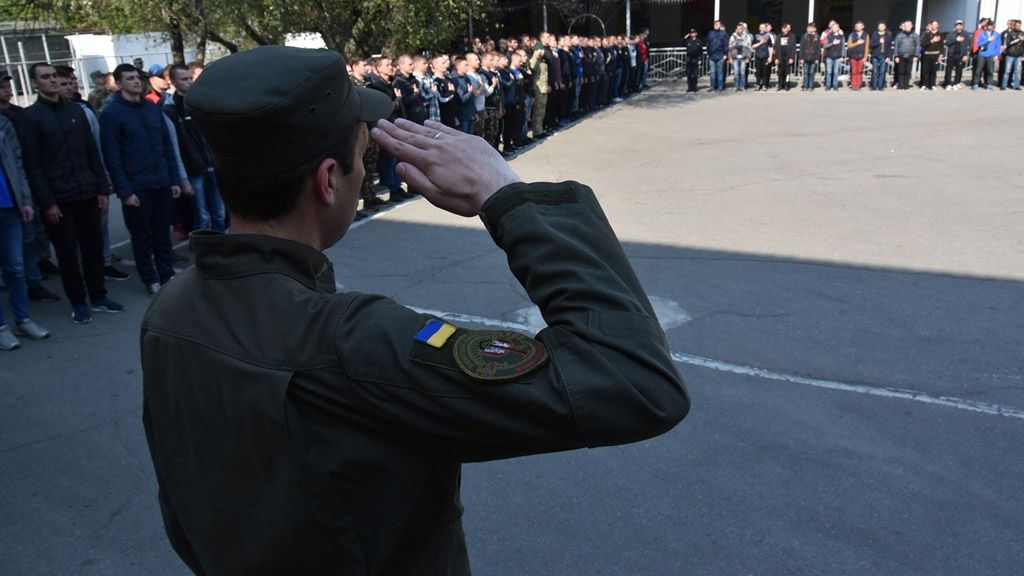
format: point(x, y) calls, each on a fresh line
point(841, 277)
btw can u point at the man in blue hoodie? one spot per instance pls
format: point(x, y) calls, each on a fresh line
point(718, 47)
point(990, 44)
point(141, 162)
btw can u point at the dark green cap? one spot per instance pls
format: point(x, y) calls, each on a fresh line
point(272, 109)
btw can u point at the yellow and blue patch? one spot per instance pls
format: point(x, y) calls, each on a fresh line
point(435, 333)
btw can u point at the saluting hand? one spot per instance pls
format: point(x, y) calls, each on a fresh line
point(455, 171)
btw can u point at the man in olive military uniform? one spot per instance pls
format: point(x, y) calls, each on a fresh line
point(295, 430)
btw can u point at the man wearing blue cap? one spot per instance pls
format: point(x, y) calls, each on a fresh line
point(296, 430)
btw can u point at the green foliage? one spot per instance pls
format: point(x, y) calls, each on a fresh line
point(349, 26)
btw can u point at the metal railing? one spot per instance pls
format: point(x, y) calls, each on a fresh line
point(670, 64)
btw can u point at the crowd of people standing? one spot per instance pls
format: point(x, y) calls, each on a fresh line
point(512, 91)
point(994, 57)
point(64, 156)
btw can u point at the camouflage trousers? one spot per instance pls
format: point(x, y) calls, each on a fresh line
point(369, 170)
point(489, 127)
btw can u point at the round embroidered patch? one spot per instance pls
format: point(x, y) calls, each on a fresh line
point(494, 355)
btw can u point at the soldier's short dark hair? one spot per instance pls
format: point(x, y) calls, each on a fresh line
point(266, 199)
point(35, 67)
point(123, 69)
point(64, 71)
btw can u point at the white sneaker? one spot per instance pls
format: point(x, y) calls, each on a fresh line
point(8, 341)
point(30, 329)
point(153, 289)
point(956, 88)
point(949, 88)
point(924, 88)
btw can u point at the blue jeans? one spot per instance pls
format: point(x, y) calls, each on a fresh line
point(12, 264)
point(878, 71)
point(831, 73)
point(150, 226)
point(29, 243)
point(1011, 71)
point(717, 74)
point(523, 132)
point(386, 169)
point(209, 206)
point(739, 69)
point(809, 75)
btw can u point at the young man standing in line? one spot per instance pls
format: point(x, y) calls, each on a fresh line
point(932, 42)
point(958, 49)
point(785, 55)
point(810, 55)
point(142, 165)
point(70, 187)
point(906, 46)
point(857, 50)
point(990, 45)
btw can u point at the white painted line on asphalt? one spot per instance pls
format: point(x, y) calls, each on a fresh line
point(722, 366)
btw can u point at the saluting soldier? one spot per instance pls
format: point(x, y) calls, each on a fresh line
point(296, 430)
point(694, 52)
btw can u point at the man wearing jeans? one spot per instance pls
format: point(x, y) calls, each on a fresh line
point(881, 50)
point(833, 46)
point(195, 154)
point(143, 168)
point(810, 55)
point(15, 211)
point(1013, 49)
point(718, 47)
point(62, 163)
point(740, 50)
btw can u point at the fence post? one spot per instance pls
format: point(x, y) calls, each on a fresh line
point(23, 73)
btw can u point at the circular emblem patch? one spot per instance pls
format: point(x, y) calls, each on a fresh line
point(494, 355)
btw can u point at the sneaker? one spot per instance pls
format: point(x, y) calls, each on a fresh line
point(30, 329)
point(115, 274)
point(153, 289)
point(991, 88)
point(80, 314)
point(956, 87)
point(39, 293)
point(107, 305)
point(8, 341)
point(974, 88)
point(360, 215)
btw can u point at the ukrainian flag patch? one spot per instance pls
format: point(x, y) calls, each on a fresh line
point(435, 333)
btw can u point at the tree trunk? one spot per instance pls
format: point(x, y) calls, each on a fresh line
point(229, 45)
point(201, 47)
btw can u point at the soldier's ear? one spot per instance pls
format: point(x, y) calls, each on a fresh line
point(326, 182)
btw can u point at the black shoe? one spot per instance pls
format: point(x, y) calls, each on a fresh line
point(39, 293)
point(115, 274)
point(114, 258)
point(374, 203)
point(45, 265)
point(360, 215)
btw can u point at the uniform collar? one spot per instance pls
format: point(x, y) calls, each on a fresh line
point(222, 256)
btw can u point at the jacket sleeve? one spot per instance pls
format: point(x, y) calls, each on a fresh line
point(17, 177)
point(110, 136)
point(175, 167)
point(609, 378)
point(32, 155)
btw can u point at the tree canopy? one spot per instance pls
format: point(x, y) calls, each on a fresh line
point(352, 27)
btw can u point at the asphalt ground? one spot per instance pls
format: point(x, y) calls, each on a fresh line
point(842, 282)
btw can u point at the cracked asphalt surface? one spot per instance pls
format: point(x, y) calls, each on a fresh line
point(870, 239)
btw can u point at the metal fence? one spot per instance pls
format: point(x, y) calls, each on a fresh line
point(670, 64)
point(19, 53)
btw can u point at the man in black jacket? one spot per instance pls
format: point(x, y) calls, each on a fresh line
point(694, 51)
point(933, 46)
point(195, 154)
point(785, 55)
point(410, 100)
point(62, 162)
point(958, 50)
point(881, 49)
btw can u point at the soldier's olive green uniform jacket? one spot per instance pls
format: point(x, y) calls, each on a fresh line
point(299, 431)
